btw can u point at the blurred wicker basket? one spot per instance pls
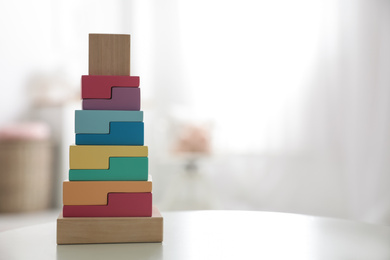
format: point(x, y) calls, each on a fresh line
point(25, 175)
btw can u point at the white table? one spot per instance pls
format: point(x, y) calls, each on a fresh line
point(217, 235)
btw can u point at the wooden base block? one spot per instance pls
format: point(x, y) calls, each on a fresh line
point(110, 230)
point(101, 86)
point(121, 133)
point(98, 121)
point(95, 192)
point(96, 156)
point(118, 205)
point(122, 99)
point(120, 169)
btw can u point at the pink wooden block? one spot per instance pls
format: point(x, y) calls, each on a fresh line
point(118, 205)
point(122, 99)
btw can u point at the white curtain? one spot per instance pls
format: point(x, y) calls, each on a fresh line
point(296, 94)
point(348, 107)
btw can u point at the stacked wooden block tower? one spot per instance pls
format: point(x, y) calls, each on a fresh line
point(108, 197)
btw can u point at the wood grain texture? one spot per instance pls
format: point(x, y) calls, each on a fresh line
point(96, 192)
point(99, 230)
point(109, 54)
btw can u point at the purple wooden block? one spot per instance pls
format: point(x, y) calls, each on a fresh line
point(121, 99)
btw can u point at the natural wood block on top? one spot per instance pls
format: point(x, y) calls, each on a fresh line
point(87, 230)
point(109, 54)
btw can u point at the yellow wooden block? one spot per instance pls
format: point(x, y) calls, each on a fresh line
point(97, 156)
point(95, 192)
point(109, 54)
point(110, 230)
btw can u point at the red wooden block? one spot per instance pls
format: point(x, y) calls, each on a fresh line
point(118, 205)
point(99, 86)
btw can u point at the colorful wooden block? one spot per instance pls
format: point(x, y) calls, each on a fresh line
point(93, 86)
point(121, 99)
point(98, 121)
point(110, 230)
point(109, 54)
point(120, 169)
point(97, 156)
point(121, 133)
point(95, 192)
point(119, 205)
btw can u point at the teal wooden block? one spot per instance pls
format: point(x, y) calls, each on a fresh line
point(121, 133)
point(120, 169)
point(98, 121)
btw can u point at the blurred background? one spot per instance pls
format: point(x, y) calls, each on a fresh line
point(249, 105)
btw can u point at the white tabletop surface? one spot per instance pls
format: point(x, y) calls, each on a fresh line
point(217, 235)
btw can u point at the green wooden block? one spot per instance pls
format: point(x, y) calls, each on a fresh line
point(120, 169)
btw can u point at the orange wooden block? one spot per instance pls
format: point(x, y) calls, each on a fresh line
point(96, 192)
